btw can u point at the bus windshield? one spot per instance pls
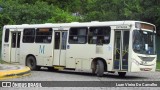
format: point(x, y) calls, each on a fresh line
point(144, 42)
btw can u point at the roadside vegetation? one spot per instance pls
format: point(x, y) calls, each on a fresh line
point(158, 65)
point(3, 62)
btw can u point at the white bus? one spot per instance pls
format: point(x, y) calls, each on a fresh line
point(112, 46)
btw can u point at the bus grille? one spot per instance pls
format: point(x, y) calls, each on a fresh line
point(147, 58)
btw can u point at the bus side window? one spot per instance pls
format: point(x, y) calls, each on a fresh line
point(28, 35)
point(43, 35)
point(78, 35)
point(99, 35)
point(6, 37)
point(82, 36)
point(47, 39)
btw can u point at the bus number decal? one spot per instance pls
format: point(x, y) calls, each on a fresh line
point(41, 49)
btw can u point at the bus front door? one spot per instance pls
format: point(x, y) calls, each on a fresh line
point(15, 46)
point(121, 44)
point(60, 42)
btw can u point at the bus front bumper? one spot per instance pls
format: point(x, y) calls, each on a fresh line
point(142, 68)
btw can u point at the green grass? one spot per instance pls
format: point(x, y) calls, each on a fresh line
point(158, 65)
point(3, 62)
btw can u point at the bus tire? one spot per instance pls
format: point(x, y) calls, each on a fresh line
point(93, 65)
point(99, 68)
point(121, 74)
point(93, 70)
point(31, 63)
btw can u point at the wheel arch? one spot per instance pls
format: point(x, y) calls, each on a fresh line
point(94, 61)
point(29, 56)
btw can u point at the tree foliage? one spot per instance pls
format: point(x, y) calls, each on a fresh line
point(54, 11)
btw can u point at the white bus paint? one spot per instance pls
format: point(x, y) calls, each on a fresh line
point(97, 46)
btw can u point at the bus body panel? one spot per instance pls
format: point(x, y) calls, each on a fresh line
point(138, 65)
point(42, 52)
point(86, 53)
point(74, 56)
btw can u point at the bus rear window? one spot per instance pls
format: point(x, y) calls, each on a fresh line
point(99, 35)
point(6, 37)
point(43, 35)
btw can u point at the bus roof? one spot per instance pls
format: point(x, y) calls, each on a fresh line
point(75, 24)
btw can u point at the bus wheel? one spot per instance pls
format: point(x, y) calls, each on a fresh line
point(122, 74)
point(93, 67)
point(93, 70)
point(31, 63)
point(99, 68)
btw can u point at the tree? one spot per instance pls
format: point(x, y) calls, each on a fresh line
point(27, 13)
point(61, 16)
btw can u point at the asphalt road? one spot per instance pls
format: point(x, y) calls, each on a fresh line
point(45, 75)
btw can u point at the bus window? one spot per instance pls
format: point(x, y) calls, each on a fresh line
point(6, 38)
point(143, 42)
point(99, 35)
point(64, 38)
point(43, 35)
point(57, 40)
point(14, 40)
point(18, 39)
point(28, 35)
point(78, 35)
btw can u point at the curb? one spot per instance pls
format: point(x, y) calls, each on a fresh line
point(6, 74)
